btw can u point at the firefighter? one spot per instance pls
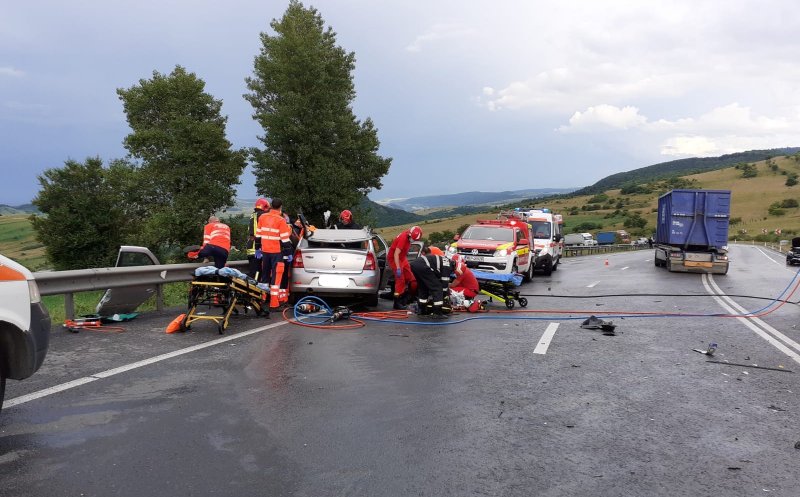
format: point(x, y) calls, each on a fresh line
point(465, 281)
point(274, 234)
point(346, 222)
point(216, 242)
point(253, 241)
point(398, 262)
point(432, 273)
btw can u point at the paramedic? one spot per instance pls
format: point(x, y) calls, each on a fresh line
point(274, 234)
point(216, 242)
point(398, 262)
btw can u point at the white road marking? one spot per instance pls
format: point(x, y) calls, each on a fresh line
point(768, 257)
point(111, 372)
point(544, 342)
point(734, 308)
point(623, 269)
point(592, 285)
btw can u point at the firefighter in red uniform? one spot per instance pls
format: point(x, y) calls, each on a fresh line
point(216, 242)
point(274, 234)
point(398, 262)
point(465, 281)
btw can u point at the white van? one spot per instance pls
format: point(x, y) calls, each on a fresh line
point(24, 324)
point(547, 239)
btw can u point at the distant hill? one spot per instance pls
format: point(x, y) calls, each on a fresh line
point(475, 198)
point(682, 167)
point(7, 210)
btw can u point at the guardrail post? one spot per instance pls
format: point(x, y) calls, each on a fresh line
point(160, 297)
point(69, 306)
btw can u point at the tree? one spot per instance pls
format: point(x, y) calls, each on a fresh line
point(186, 168)
point(317, 155)
point(83, 223)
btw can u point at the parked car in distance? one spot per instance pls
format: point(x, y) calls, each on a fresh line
point(24, 324)
point(640, 241)
point(339, 263)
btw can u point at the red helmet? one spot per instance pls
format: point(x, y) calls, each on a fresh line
point(415, 232)
point(346, 216)
point(262, 204)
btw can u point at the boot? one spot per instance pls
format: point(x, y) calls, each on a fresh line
point(398, 304)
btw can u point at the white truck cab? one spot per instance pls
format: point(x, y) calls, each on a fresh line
point(24, 324)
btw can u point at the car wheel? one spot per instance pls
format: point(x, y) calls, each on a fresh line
point(372, 300)
point(514, 268)
point(528, 276)
point(2, 388)
point(548, 268)
point(555, 266)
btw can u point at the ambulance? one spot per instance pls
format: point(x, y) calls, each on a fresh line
point(548, 241)
point(497, 246)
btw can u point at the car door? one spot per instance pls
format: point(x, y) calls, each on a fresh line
point(126, 299)
point(381, 251)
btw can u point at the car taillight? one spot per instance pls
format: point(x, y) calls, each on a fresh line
point(369, 263)
point(298, 259)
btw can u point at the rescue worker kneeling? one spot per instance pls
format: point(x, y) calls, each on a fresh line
point(432, 273)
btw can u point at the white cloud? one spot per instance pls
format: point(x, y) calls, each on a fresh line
point(11, 71)
point(605, 116)
point(440, 32)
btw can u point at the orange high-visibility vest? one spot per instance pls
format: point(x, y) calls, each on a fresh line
point(273, 230)
point(218, 234)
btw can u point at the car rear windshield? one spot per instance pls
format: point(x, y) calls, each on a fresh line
point(363, 245)
point(489, 233)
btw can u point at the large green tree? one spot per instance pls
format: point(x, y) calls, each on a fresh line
point(186, 168)
point(83, 223)
point(317, 155)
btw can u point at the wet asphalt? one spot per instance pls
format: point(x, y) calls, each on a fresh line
point(405, 409)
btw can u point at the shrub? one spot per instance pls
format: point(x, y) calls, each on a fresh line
point(789, 203)
point(598, 199)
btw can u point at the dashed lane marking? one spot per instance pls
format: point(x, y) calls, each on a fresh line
point(623, 269)
point(592, 285)
point(544, 342)
point(111, 372)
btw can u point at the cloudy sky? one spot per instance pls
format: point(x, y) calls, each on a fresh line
point(478, 95)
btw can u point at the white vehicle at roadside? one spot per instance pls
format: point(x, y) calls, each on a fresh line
point(547, 238)
point(580, 240)
point(24, 324)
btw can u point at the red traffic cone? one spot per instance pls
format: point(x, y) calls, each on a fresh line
point(606, 262)
point(175, 325)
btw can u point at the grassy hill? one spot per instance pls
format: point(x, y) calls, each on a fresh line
point(610, 209)
point(18, 242)
point(682, 167)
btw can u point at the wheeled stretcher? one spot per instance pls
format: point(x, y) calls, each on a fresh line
point(225, 289)
point(501, 287)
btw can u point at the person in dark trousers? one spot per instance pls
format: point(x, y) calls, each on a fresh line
point(432, 273)
point(253, 240)
point(650, 242)
point(346, 222)
point(216, 242)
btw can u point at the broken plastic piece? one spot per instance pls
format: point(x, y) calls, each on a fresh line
point(595, 323)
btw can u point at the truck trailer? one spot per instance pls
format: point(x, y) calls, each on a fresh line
point(692, 231)
point(606, 237)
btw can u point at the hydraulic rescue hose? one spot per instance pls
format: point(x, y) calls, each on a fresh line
point(313, 312)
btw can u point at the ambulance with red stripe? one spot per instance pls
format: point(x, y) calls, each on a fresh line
point(24, 324)
point(497, 246)
point(548, 243)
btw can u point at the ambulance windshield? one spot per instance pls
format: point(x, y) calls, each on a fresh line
point(540, 229)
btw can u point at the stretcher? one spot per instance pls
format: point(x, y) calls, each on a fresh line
point(224, 289)
point(501, 287)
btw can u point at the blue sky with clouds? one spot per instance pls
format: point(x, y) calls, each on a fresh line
point(480, 95)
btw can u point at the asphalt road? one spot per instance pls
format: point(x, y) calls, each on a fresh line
point(514, 404)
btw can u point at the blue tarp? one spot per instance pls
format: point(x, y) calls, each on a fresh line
point(516, 279)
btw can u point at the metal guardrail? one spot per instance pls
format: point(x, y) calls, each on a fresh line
point(68, 283)
point(576, 250)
